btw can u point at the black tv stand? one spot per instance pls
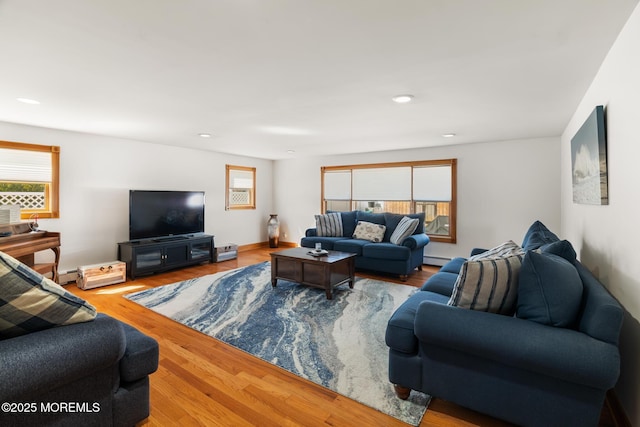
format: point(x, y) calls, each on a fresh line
point(162, 254)
point(169, 238)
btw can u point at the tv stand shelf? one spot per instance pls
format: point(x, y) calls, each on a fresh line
point(158, 255)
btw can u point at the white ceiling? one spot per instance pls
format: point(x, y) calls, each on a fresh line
point(316, 76)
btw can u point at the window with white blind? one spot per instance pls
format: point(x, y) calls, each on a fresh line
point(29, 178)
point(407, 187)
point(241, 187)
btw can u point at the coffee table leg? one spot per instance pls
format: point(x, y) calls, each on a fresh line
point(329, 293)
point(352, 272)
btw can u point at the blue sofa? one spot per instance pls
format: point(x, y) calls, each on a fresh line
point(516, 367)
point(387, 257)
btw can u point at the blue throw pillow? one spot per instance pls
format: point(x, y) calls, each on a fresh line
point(549, 290)
point(348, 222)
point(562, 248)
point(537, 235)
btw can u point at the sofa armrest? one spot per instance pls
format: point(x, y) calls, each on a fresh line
point(311, 232)
point(561, 353)
point(51, 358)
point(416, 241)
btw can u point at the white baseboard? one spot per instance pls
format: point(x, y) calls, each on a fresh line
point(435, 260)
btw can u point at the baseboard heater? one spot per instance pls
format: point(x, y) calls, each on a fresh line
point(435, 260)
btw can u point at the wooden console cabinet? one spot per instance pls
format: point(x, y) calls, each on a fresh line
point(158, 255)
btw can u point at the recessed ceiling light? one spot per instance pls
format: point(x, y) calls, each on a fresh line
point(28, 101)
point(291, 151)
point(448, 135)
point(204, 135)
point(402, 99)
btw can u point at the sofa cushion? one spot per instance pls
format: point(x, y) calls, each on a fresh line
point(326, 242)
point(550, 290)
point(386, 251)
point(400, 335)
point(348, 222)
point(353, 246)
point(441, 283)
point(30, 302)
point(376, 218)
point(329, 225)
point(404, 229)
point(562, 248)
point(488, 285)
point(369, 231)
point(537, 235)
point(454, 265)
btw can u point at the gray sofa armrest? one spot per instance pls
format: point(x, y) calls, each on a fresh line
point(557, 352)
point(416, 241)
point(54, 357)
point(140, 357)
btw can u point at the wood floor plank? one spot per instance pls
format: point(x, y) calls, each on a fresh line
point(204, 382)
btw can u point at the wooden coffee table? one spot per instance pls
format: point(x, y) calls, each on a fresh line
point(325, 272)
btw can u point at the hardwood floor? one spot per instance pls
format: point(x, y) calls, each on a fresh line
point(204, 382)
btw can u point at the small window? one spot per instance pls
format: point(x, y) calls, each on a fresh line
point(241, 187)
point(29, 177)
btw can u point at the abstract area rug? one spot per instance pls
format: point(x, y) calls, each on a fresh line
point(337, 343)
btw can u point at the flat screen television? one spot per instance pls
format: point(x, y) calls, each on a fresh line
point(163, 214)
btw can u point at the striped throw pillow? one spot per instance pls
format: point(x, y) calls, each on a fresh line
point(30, 302)
point(405, 228)
point(488, 285)
point(329, 225)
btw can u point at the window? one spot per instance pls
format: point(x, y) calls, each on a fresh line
point(403, 188)
point(29, 177)
point(241, 187)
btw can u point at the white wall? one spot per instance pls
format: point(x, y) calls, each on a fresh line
point(96, 174)
point(606, 237)
point(502, 188)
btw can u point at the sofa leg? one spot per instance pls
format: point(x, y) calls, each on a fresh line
point(402, 392)
point(420, 267)
point(403, 277)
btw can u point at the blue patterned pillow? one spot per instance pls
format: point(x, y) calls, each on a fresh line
point(369, 231)
point(30, 302)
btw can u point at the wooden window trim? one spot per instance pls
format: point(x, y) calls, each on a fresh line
point(452, 237)
point(52, 201)
point(252, 201)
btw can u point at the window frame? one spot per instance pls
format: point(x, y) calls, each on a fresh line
point(452, 163)
point(252, 191)
point(52, 189)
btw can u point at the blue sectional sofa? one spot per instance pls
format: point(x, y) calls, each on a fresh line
point(384, 256)
point(548, 361)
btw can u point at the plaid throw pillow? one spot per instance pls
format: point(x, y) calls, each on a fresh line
point(30, 302)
